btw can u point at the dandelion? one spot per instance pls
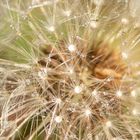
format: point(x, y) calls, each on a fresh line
point(69, 70)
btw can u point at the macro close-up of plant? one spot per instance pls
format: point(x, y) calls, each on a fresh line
point(69, 70)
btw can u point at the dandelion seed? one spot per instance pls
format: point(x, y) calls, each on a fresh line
point(78, 74)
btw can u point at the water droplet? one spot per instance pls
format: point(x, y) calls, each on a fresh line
point(93, 24)
point(78, 89)
point(42, 73)
point(119, 93)
point(108, 124)
point(71, 47)
point(12, 26)
point(51, 28)
point(58, 119)
point(28, 81)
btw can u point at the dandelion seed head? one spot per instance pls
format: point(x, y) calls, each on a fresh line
point(84, 51)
